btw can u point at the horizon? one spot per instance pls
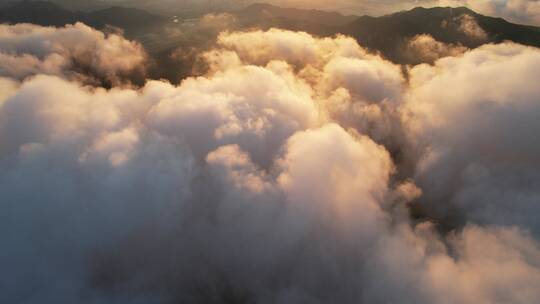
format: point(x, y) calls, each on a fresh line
point(527, 12)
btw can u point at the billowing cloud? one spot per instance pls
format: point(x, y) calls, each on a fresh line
point(75, 51)
point(285, 174)
point(425, 48)
point(481, 151)
point(346, 81)
point(297, 48)
point(469, 26)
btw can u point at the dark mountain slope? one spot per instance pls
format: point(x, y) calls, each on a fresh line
point(50, 14)
point(387, 33)
point(127, 18)
point(38, 12)
point(260, 11)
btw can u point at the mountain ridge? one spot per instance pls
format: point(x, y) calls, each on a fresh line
point(50, 14)
point(387, 35)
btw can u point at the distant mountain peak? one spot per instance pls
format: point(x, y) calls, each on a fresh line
point(34, 5)
point(260, 5)
point(273, 11)
point(440, 12)
point(48, 13)
point(268, 6)
point(457, 10)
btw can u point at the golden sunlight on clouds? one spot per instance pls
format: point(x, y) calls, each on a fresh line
point(285, 174)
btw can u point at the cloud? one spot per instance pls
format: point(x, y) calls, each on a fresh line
point(520, 11)
point(347, 81)
point(474, 266)
point(425, 48)
point(469, 26)
point(296, 48)
point(479, 137)
point(279, 176)
point(74, 51)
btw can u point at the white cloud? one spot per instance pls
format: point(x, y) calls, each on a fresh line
point(75, 51)
point(424, 48)
point(481, 150)
point(278, 177)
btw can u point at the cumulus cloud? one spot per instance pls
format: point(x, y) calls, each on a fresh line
point(346, 81)
point(279, 176)
point(425, 48)
point(74, 51)
point(297, 48)
point(479, 135)
point(469, 26)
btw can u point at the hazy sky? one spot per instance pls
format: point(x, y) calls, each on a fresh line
point(520, 11)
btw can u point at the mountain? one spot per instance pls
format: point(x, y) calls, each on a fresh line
point(38, 12)
point(262, 11)
point(388, 34)
point(123, 17)
point(50, 14)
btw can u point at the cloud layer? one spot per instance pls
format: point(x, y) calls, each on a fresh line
point(76, 52)
point(286, 174)
point(481, 146)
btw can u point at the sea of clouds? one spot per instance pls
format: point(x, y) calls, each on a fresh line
point(296, 169)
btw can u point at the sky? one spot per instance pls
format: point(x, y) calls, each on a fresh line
point(520, 11)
